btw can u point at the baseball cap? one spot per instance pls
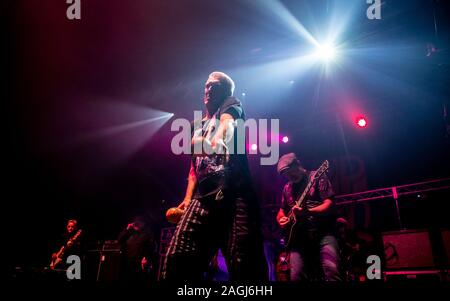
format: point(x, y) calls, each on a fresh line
point(287, 161)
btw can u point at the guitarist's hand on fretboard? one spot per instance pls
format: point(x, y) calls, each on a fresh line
point(299, 211)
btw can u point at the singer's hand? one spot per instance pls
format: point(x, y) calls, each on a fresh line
point(184, 204)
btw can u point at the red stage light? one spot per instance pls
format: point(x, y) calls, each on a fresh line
point(361, 122)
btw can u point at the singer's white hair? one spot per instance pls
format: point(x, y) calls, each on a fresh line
point(224, 80)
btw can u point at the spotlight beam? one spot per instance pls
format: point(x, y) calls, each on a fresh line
point(285, 16)
point(109, 131)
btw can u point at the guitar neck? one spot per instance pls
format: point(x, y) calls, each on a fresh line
point(312, 179)
point(300, 200)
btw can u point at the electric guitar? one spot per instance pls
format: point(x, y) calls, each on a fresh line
point(58, 258)
point(291, 227)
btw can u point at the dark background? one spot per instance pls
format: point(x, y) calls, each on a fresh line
point(67, 79)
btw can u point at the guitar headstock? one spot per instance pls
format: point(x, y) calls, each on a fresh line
point(322, 169)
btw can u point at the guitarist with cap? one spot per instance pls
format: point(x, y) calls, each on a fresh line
point(306, 216)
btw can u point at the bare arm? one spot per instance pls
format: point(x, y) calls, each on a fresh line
point(324, 208)
point(280, 214)
point(192, 184)
point(282, 219)
point(217, 143)
point(224, 132)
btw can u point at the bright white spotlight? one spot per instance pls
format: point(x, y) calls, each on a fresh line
point(326, 52)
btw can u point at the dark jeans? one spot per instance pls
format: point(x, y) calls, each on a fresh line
point(209, 224)
point(315, 258)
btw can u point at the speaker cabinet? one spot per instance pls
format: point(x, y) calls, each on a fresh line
point(409, 249)
point(104, 263)
point(445, 235)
